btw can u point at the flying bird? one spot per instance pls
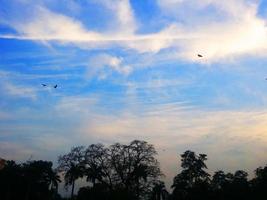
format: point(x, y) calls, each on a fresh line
point(199, 55)
point(43, 85)
point(55, 86)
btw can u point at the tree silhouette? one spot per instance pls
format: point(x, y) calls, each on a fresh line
point(10, 178)
point(71, 165)
point(130, 169)
point(126, 172)
point(97, 166)
point(29, 181)
point(159, 191)
point(135, 166)
point(193, 179)
point(219, 180)
point(53, 179)
point(97, 192)
point(38, 176)
point(259, 183)
point(218, 184)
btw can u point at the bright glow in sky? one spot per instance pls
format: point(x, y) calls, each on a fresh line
point(129, 70)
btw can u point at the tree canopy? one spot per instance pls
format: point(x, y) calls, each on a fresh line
point(129, 172)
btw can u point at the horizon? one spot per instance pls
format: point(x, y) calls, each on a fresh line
point(115, 71)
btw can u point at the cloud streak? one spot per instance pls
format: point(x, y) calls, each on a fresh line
point(238, 32)
point(175, 128)
point(20, 91)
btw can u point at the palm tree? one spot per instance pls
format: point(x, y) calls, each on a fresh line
point(92, 174)
point(74, 172)
point(53, 179)
point(72, 165)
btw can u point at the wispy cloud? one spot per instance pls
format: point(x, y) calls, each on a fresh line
point(15, 151)
point(174, 128)
point(236, 30)
point(20, 91)
point(76, 104)
point(25, 76)
point(145, 84)
point(97, 65)
point(123, 16)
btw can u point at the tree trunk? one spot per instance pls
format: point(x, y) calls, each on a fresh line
point(158, 195)
point(138, 189)
point(72, 189)
point(27, 195)
point(8, 191)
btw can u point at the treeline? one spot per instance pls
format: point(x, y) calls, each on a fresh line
point(31, 180)
point(126, 172)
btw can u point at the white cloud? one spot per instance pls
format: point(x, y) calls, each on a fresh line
point(47, 25)
point(231, 28)
point(123, 15)
point(230, 8)
point(98, 63)
point(221, 28)
point(20, 91)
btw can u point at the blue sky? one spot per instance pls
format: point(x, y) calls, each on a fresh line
point(129, 70)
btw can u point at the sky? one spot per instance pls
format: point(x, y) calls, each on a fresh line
point(129, 69)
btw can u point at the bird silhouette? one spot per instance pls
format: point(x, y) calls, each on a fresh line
point(43, 85)
point(199, 55)
point(55, 86)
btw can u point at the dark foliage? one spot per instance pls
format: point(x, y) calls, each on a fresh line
point(126, 172)
point(121, 171)
point(193, 181)
point(71, 165)
point(31, 180)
